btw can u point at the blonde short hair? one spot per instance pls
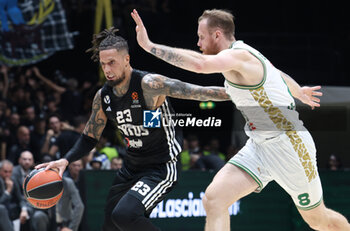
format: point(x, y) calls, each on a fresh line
point(222, 19)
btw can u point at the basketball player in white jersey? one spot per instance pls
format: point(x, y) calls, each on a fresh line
point(279, 147)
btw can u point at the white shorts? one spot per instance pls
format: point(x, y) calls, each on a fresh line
point(290, 160)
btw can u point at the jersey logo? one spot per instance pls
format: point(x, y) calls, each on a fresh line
point(151, 118)
point(137, 143)
point(135, 100)
point(107, 100)
point(135, 96)
point(108, 108)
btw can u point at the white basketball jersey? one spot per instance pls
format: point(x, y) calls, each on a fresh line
point(268, 107)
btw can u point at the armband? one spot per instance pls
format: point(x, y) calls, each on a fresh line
point(81, 148)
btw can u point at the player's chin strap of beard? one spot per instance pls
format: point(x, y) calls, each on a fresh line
point(81, 148)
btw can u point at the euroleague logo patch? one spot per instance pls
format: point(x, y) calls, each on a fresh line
point(135, 100)
point(135, 96)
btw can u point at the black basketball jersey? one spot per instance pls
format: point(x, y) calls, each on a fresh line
point(145, 146)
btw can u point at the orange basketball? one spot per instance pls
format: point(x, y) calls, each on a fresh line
point(43, 189)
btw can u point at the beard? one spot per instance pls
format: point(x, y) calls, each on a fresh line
point(113, 83)
point(213, 49)
point(209, 52)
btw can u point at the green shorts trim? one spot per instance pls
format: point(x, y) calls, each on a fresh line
point(257, 180)
point(310, 207)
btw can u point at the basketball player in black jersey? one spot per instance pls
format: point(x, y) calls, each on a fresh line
point(150, 166)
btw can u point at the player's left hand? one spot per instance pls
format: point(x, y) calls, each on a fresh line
point(142, 36)
point(309, 96)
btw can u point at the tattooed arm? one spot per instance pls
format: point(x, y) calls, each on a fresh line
point(155, 86)
point(98, 119)
point(224, 61)
point(86, 142)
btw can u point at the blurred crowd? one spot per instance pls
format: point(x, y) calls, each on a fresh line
point(40, 119)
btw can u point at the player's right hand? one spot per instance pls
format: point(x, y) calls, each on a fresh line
point(141, 32)
point(60, 164)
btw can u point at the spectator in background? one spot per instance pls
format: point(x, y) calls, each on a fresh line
point(98, 161)
point(51, 106)
point(104, 147)
point(40, 100)
point(191, 153)
point(96, 164)
point(18, 99)
point(206, 163)
point(3, 110)
point(23, 143)
point(12, 126)
point(71, 100)
point(38, 134)
point(185, 156)
point(70, 207)
point(54, 99)
point(214, 149)
point(194, 158)
point(5, 222)
point(4, 82)
point(4, 133)
point(73, 170)
point(28, 117)
point(25, 165)
point(55, 129)
point(10, 194)
point(334, 163)
point(67, 138)
point(116, 163)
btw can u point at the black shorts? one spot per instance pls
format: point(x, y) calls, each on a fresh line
point(148, 185)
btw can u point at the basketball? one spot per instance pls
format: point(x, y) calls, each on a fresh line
point(43, 189)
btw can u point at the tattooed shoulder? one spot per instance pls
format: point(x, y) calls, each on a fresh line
point(152, 82)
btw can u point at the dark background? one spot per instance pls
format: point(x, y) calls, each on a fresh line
point(309, 40)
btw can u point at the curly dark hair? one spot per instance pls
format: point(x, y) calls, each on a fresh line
point(106, 40)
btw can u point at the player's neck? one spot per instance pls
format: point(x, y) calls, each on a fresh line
point(122, 88)
point(226, 44)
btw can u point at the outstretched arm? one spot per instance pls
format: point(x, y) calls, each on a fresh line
point(307, 95)
point(155, 85)
point(189, 60)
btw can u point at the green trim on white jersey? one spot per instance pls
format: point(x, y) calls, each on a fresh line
point(250, 87)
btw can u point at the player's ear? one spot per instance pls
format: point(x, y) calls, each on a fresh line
point(127, 58)
point(218, 33)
